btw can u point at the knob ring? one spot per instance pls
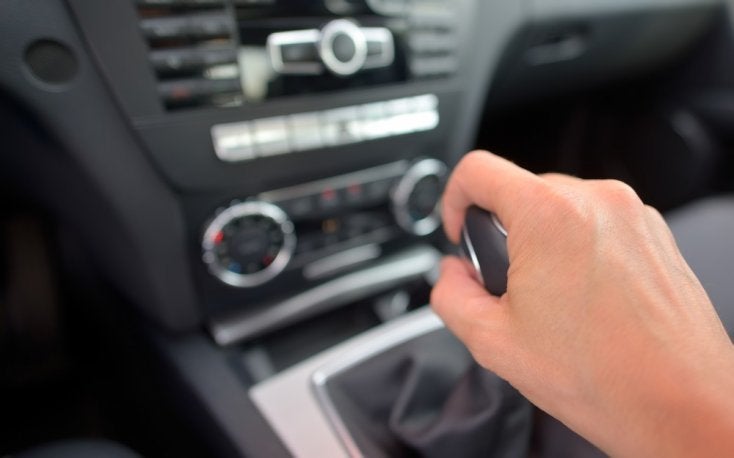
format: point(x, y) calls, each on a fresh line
point(256, 208)
point(326, 47)
point(401, 196)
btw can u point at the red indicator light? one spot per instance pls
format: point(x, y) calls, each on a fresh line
point(218, 237)
point(328, 194)
point(355, 189)
point(267, 260)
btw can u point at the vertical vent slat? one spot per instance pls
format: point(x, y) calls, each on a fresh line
point(193, 50)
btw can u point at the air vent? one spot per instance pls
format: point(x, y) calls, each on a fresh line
point(432, 39)
point(193, 52)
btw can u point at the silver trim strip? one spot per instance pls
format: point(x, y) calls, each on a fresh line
point(334, 263)
point(248, 140)
point(394, 270)
point(315, 430)
point(498, 224)
point(472, 255)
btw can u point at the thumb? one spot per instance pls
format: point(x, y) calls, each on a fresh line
point(477, 318)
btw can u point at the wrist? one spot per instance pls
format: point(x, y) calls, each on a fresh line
point(685, 412)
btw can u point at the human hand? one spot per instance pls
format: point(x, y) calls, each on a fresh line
point(603, 325)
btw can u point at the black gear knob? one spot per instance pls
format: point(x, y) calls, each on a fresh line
point(484, 243)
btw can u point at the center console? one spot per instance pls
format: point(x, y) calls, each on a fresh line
point(308, 142)
point(261, 178)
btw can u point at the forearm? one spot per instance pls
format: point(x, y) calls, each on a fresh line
point(682, 413)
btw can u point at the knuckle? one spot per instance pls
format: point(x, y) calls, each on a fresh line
point(619, 193)
point(563, 210)
point(654, 213)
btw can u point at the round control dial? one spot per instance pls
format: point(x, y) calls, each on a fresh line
point(417, 196)
point(343, 47)
point(248, 244)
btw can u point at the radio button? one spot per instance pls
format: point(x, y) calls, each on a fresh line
point(234, 142)
point(271, 136)
point(380, 47)
point(295, 52)
point(305, 131)
point(341, 126)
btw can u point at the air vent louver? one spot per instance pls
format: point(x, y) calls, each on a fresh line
point(193, 52)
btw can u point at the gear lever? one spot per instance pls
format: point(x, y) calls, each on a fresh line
point(484, 243)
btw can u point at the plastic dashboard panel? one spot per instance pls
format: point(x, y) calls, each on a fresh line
point(129, 218)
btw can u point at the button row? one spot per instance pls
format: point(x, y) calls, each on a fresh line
point(203, 25)
point(307, 131)
point(334, 199)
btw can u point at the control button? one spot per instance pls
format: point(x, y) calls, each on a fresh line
point(343, 47)
point(305, 131)
point(248, 244)
point(299, 206)
point(298, 52)
point(426, 102)
point(354, 194)
point(271, 136)
point(416, 198)
point(233, 142)
point(422, 200)
point(341, 126)
point(330, 199)
point(295, 52)
point(380, 47)
point(374, 121)
point(434, 66)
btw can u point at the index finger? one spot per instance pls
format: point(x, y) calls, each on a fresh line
point(491, 182)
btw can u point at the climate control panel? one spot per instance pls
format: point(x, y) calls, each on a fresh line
point(251, 242)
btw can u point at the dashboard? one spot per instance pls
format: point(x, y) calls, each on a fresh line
point(311, 127)
point(238, 167)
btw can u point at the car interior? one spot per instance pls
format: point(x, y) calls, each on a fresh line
point(220, 220)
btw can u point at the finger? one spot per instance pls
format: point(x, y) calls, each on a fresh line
point(559, 178)
point(493, 183)
point(462, 303)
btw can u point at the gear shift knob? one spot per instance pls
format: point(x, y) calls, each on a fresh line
point(484, 243)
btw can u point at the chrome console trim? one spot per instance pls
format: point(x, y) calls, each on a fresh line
point(410, 264)
point(297, 405)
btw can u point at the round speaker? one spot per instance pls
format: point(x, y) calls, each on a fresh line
point(51, 62)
